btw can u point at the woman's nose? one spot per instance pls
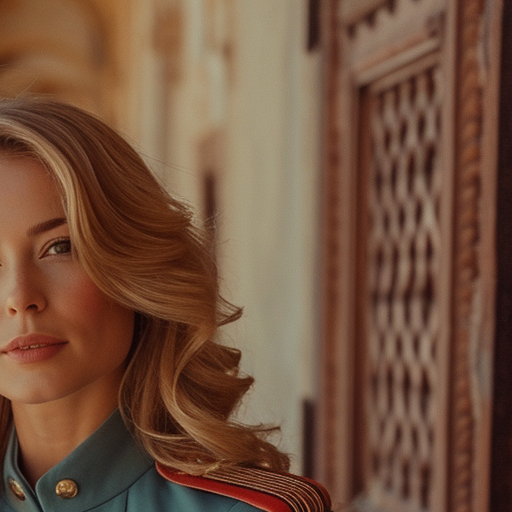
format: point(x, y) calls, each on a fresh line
point(24, 295)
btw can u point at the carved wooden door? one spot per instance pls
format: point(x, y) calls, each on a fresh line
point(408, 294)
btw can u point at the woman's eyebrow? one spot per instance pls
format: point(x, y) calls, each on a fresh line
point(47, 225)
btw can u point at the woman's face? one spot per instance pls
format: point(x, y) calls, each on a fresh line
point(59, 334)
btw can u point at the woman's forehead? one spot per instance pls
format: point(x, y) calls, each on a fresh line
point(27, 190)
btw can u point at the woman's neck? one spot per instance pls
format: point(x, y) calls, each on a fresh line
point(48, 432)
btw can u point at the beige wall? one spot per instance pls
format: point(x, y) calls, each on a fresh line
point(270, 217)
point(245, 88)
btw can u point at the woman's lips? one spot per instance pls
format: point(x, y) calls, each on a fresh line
point(33, 348)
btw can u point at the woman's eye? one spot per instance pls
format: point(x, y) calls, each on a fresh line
point(59, 247)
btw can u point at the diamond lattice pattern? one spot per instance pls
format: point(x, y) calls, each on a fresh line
point(405, 189)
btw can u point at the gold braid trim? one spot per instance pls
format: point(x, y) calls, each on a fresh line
point(269, 490)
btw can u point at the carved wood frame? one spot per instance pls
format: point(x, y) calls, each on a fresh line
point(474, 253)
point(476, 30)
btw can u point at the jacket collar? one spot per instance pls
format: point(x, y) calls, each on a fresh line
point(103, 466)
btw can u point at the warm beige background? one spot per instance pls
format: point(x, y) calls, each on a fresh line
point(208, 87)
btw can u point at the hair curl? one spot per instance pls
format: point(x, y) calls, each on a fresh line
point(141, 248)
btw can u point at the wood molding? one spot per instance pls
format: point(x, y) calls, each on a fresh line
point(354, 11)
point(393, 57)
point(468, 176)
point(330, 250)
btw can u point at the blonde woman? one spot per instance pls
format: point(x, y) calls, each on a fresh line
point(114, 394)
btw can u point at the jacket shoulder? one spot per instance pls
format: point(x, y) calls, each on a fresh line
point(268, 490)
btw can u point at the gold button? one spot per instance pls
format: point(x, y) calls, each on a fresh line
point(17, 489)
point(66, 488)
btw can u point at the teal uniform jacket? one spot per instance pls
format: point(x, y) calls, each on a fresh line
point(109, 473)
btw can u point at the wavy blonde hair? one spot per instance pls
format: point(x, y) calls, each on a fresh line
point(141, 248)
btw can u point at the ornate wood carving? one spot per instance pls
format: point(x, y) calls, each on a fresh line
point(466, 262)
point(419, 326)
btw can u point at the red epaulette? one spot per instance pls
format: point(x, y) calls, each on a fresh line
point(268, 490)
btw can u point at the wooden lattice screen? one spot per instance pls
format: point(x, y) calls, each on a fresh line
point(404, 235)
point(407, 303)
